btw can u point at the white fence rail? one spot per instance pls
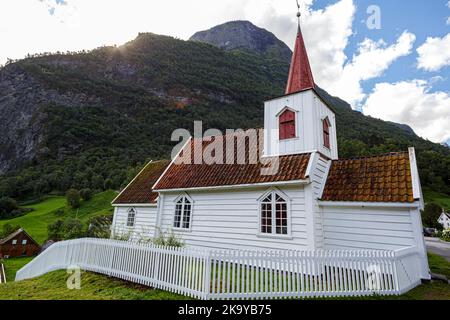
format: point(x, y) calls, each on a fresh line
point(237, 274)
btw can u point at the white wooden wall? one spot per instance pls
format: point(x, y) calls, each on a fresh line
point(310, 111)
point(145, 223)
point(367, 228)
point(230, 220)
point(318, 179)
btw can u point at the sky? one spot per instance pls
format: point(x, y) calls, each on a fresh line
point(388, 59)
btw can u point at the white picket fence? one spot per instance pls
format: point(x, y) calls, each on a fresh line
point(237, 274)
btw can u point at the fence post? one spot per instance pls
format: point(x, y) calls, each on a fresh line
point(111, 258)
point(207, 276)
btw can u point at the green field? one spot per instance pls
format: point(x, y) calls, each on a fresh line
point(13, 265)
point(44, 213)
point(439, 198)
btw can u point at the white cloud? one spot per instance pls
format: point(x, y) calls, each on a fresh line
point(412, 103)
point(371, 61)
point(434, 54)
point(448, 21)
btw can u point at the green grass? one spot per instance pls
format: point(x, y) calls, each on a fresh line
point(13, 265)
point(439, 198)
point(439, 265)
point(53, 286)
point(36, 222)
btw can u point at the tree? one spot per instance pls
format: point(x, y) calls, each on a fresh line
point(430, 216)
point(73, 198)
point(108, 184)
point(73, 229)
point(55, 231)
point(7, 205)
point(86, 194)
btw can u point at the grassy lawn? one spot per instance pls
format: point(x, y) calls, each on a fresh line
point(439, 265)
point(13, 265)
point(93, 287)
point(36, 222)
point(441, 199)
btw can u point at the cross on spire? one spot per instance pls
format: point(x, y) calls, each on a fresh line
point(300, 74)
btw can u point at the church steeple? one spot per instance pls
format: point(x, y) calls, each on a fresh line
point(300, 74)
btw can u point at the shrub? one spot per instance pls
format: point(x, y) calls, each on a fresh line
point(168, 240)
point(100, 227)
point(59, 212)
point(445, 235)
point(86, 194)
point(73, 198)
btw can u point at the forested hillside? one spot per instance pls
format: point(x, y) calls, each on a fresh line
point(90, 119)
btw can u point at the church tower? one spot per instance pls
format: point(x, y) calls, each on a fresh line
point(300, 121)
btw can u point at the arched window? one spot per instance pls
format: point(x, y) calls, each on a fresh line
point(274, 214)
point(183, 213)
point(131, 218)
point(287, 125)
point(326, 132)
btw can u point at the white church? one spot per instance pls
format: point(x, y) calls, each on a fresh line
point(314, 201)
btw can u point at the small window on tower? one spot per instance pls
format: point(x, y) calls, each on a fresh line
point(287, 125)
point(326, 132)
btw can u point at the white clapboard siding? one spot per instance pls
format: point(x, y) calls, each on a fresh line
point(318, 178)
point(237, 274)
point(230, 219)
point(145, 222)
point(367, 228)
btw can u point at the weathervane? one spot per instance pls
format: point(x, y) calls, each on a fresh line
point(298, 13)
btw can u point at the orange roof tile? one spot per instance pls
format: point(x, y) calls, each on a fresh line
point(384, 178)
point(139, 191)
point(187, 176)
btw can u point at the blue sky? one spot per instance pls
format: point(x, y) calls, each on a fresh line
point(398, 73)
point(422, 18)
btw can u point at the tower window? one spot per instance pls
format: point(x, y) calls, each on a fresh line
point(287, 125)
point(326, 133)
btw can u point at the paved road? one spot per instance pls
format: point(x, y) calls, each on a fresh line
point(439, 247)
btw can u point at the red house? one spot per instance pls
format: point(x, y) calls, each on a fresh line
point(18, 244)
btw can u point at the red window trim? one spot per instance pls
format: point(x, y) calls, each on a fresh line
point(326, 133)
point(287, 125)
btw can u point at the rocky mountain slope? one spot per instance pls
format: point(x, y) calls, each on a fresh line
point(89, 119)
point(243, 35)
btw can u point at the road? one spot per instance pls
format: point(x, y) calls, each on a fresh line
point(436, 246)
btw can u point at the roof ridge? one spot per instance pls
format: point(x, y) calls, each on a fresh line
point(372, 156)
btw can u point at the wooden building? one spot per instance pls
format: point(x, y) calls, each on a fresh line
point(18, 244)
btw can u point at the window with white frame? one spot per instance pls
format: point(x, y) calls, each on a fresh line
point(14, 242)
point(131, 218)
point(183, 213)
point(274, 214)
point(24, 242)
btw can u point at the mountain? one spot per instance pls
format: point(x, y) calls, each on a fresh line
point(91, 119)
point(243, 35)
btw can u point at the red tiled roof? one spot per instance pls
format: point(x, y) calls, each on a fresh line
point(385, 178)
point(139, 191)
point(300, 74)
point(187, 176)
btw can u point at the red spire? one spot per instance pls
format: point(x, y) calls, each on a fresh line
point(300, 75)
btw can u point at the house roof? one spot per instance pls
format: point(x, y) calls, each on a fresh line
point(384, 178)
point(300, 74)
point(139, 191)
point(189, 175)
point(15, 234)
